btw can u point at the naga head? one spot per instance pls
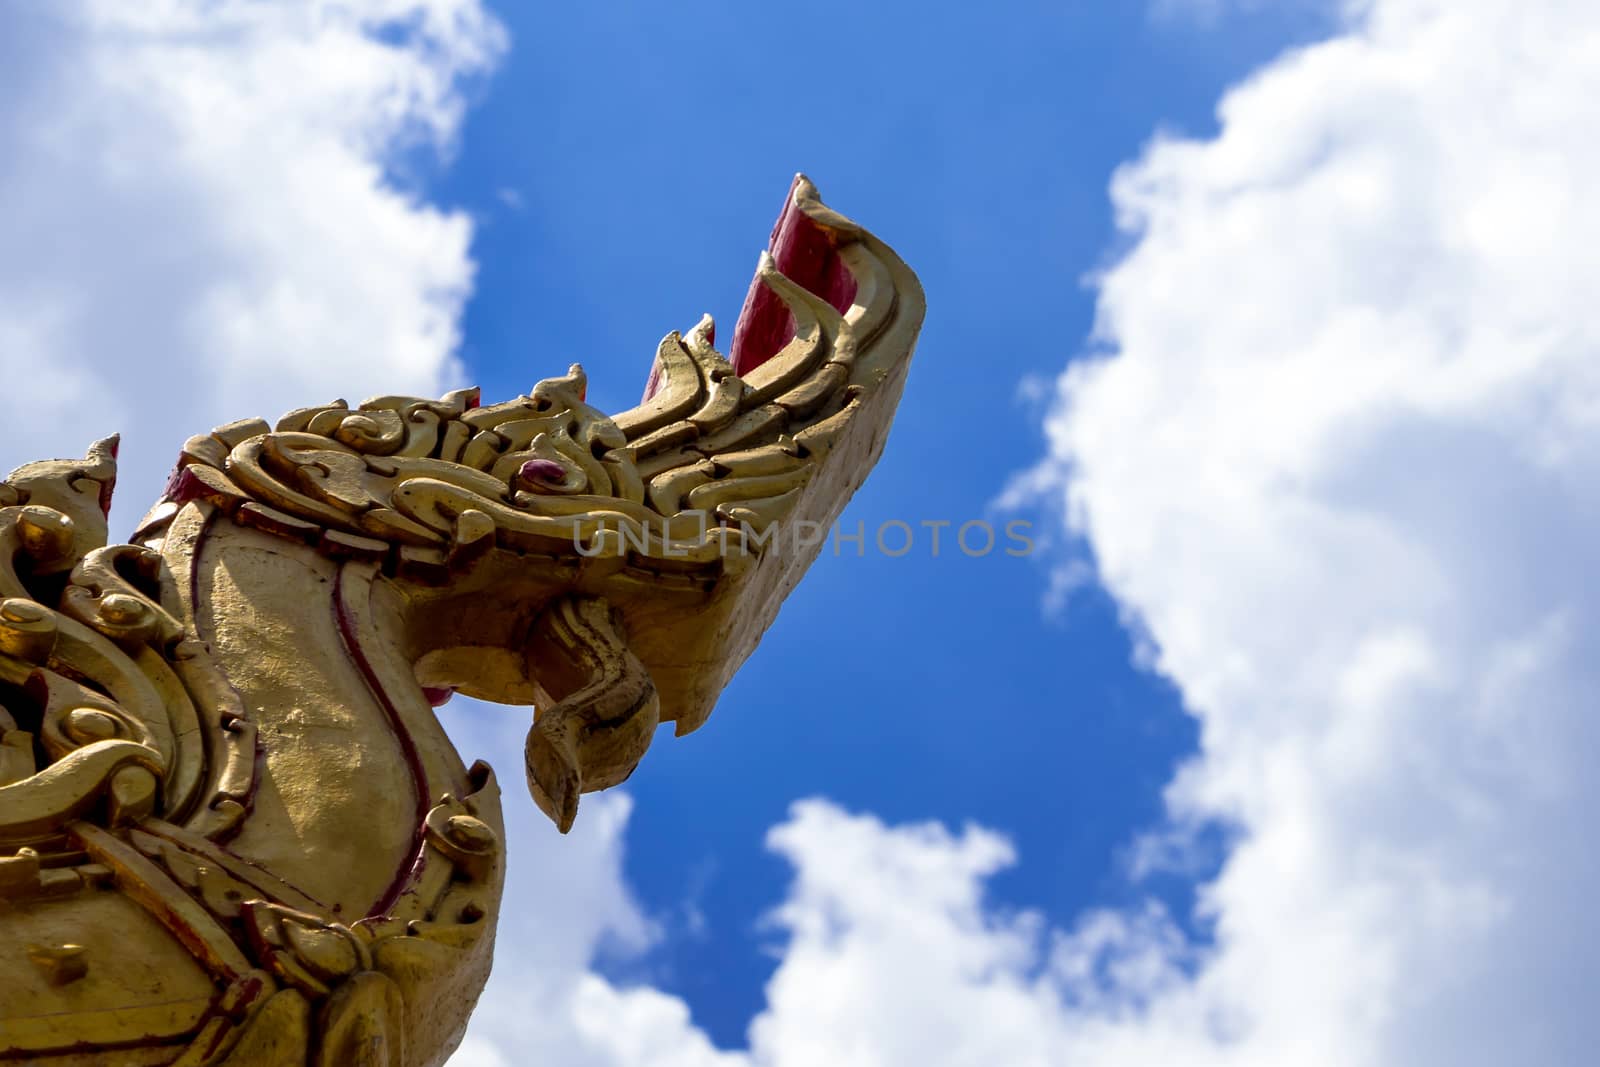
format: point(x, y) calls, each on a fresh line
point(612, 570)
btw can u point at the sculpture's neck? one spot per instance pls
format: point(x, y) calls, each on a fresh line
point(309, 643)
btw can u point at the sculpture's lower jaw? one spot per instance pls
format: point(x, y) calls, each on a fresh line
point(604, 710)
point(553, 776)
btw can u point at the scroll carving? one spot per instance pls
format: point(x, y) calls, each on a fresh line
point(232, 830)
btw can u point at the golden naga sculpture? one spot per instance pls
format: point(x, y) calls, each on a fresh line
point(232, 831)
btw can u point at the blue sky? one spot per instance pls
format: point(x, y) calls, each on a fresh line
point(1275, 320)
point(624, 165)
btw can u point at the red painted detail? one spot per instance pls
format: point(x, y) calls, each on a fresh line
point(230, 1005)
point(652, 384)
point(765, 326)
point(108, 487)
point(408, 747)
point(806, 254)
point(541, 470)
point(472, 401)
point(438, 696)
point(182, 486)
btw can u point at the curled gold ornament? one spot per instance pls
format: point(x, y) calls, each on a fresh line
point(220, 767)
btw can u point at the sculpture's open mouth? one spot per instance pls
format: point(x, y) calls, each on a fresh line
point(808, 255)
point(804, 252)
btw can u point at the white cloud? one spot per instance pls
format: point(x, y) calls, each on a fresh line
point(199, 223)
point(566, 900)
point(1342, 465)
point(892, 957)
